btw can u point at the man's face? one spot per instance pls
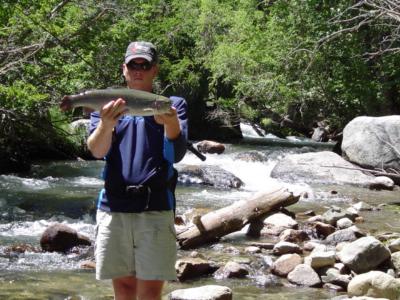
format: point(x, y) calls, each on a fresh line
point(139, 74)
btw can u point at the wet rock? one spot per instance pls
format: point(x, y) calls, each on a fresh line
point(187, 268)
point(267, 261)
point(252, 250)
point(252, 156)
point(323, 229)
point(210, 147)
point(396, 262)
point(286, 247)
point(268, 280)
point(266, 246)
point(362, 206)
point(277, 223)
point(231, 270)
point(375, 284)
point(344, 223)
point(318, 259)
point(382, 183)
point(61, 238)
point(334, 214)
point(344, 235)
point(208, 175)
point(364, 254)
point(304, 275)
point(336, 170)
point(294, 236)
point(285, 264)
point(207, 292)
point(19, 248)
point(333, 287)
point(333, 276)
point(394, 246)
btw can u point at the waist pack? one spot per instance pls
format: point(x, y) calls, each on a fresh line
point(148, 196)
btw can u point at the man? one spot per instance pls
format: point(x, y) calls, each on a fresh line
point(135, 241)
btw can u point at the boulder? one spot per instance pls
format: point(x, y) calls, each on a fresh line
point(277, 223)
point(320, 167)
point(187, 268)
point(286, 247)
point(373, 142)
point(304, 275)
point(207, 292)
point(231, 270)
point(344, 235)
point(285, 264)
point(61, 238)
point(375, 284)
point(363, 254)
point(208, 175)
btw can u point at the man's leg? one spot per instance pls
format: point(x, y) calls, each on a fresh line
point(149, 289)
point(125, 288)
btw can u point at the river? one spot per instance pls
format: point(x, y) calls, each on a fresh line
point(66, 191)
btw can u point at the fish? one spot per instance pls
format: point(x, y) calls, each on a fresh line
point(138, 103)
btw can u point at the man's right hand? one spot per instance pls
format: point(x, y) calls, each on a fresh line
point(111, 112)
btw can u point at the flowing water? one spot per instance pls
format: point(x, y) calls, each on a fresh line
point(66, 192)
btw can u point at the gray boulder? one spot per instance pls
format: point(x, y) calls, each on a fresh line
point(208, 175)
point(207, 292)
point(320, 167)
point(373, 141)
point(363, 254)
point(304, 275)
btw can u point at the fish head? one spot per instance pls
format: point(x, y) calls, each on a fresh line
point(66, 103)
point(161, 106)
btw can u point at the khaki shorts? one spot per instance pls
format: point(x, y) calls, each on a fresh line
point(136, 244)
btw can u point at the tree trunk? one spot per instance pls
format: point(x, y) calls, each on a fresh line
point(212, 226)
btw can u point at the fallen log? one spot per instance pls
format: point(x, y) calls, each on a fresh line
point(214, 225)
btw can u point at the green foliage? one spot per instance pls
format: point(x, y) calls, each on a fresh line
point(248, 57)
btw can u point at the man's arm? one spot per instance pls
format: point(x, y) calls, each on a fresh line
point(99, 142)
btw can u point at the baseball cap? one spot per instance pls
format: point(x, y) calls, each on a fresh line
point(141, 49)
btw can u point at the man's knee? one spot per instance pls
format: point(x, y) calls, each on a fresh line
point(125, 288)
point(149, 289)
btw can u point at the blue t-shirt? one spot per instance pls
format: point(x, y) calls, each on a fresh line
point(141, 156)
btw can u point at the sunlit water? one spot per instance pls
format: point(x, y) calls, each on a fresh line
point(66, 192)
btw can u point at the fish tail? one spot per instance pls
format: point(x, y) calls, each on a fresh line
point(66, 103)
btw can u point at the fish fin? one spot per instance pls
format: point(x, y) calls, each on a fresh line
point(66, 103)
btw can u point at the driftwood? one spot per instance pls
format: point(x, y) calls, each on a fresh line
point(212, 226)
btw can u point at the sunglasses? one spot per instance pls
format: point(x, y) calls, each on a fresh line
point(145, 66)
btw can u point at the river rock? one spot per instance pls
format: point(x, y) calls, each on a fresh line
point(61, 238)
point(304, 275)
point(332, 215)
point(320, 167)
point(382, 136)
point(333, 276)
point(207, 292)
point(344, 235)
point(210, 147)
point(294, 236)
point(187, 268)
point(396, 262)
point(231, 270)
point(251, 156)
point(364, 254)
point(344, 223)
point(208, 175)
point(277, 223)
point(323, 229)
point(382, 183)
point(286, 247)
point(394, 246)
point(318, 259)
point(375, 284)
point(268, 280)
point(285, 264)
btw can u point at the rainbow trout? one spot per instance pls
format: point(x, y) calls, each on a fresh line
point(139, 103)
